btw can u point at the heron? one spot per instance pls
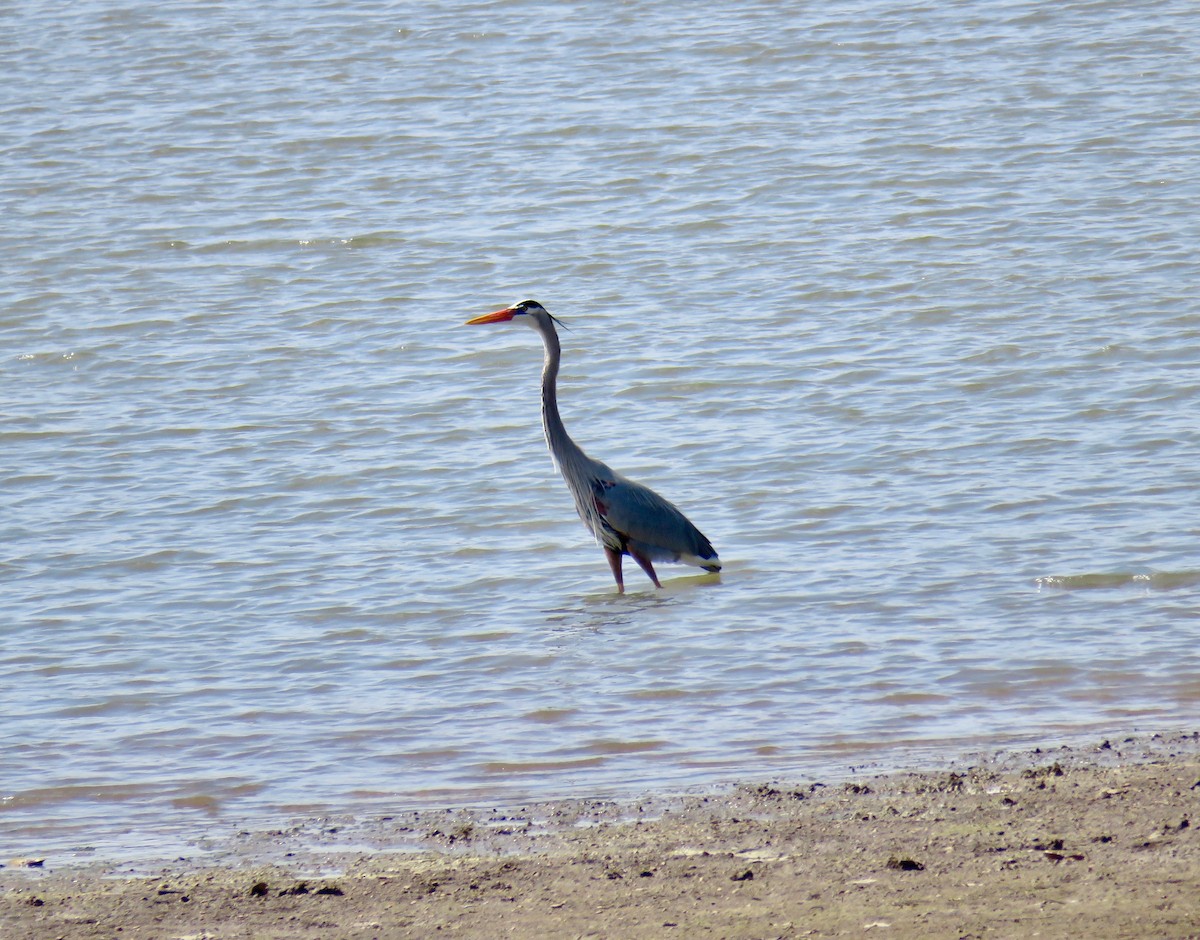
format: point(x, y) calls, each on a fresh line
point(625, 517)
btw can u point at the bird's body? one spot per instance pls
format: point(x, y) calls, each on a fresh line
point(625, 517)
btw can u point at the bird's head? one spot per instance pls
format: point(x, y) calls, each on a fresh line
point(528, 310)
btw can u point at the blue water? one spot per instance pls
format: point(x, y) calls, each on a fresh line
point(895, 302)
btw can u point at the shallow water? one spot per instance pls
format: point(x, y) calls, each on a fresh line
point(897, 303)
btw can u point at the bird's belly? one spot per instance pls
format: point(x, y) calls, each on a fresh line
point(605, 534)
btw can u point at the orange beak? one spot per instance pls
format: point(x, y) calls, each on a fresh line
point(498, 317)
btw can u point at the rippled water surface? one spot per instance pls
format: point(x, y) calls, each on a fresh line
point(897, 302)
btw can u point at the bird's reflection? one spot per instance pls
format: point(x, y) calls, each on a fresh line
point(604, 611)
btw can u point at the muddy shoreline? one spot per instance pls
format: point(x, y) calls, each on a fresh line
point(1100, 839)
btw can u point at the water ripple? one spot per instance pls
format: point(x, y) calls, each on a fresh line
point(892, 302)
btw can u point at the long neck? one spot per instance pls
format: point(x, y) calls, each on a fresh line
point(567, 454)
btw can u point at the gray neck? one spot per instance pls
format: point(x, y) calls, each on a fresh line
point(571, 460)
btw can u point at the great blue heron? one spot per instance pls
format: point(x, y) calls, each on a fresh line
point(626, 517)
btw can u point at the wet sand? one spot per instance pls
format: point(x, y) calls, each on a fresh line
point(1097, 840)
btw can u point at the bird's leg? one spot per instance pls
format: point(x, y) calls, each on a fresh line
point(614, 562)
point(646, 566)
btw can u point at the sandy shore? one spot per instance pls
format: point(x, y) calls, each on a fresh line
point(1098, 841)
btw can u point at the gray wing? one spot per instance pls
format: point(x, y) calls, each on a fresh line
point(653, 525)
